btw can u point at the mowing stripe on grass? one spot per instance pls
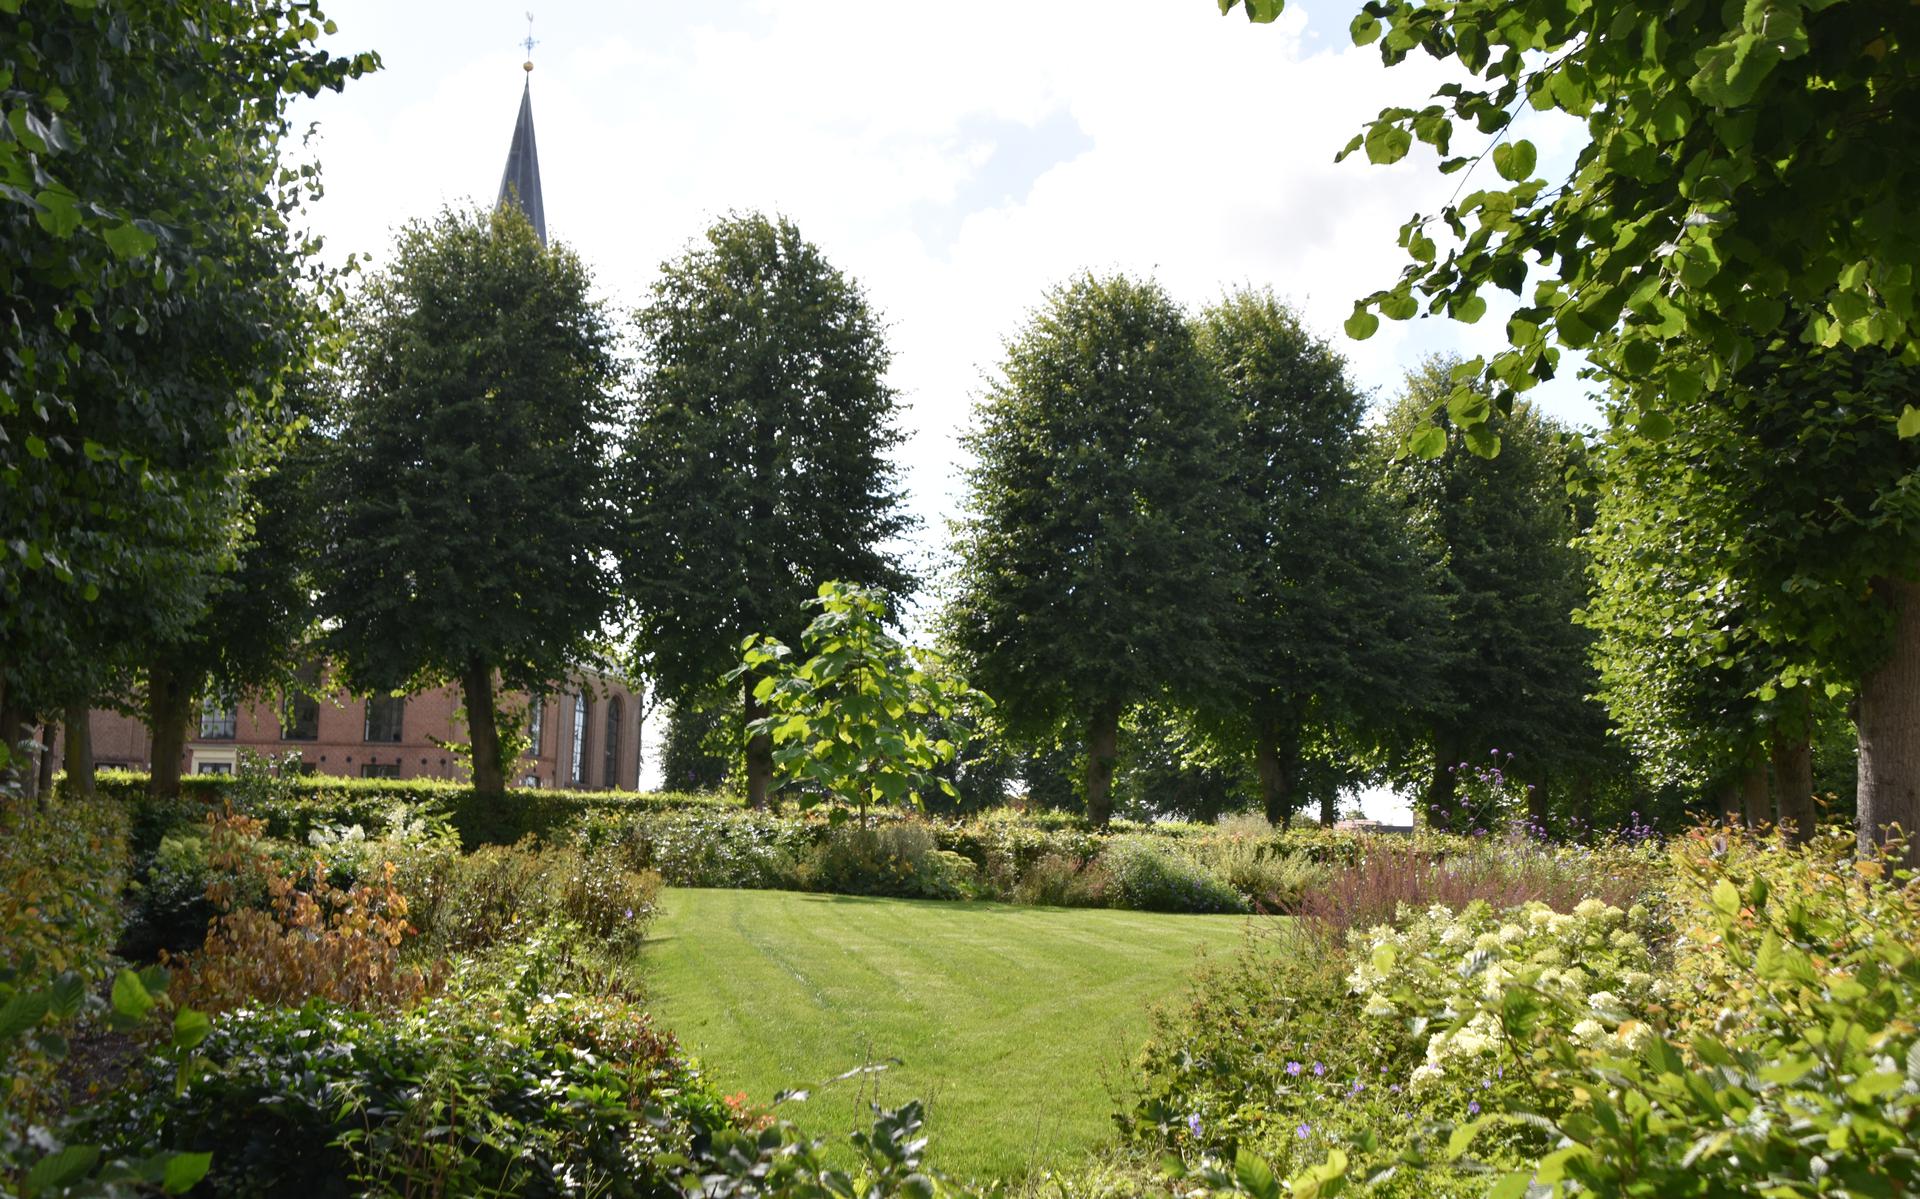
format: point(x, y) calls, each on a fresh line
point(1014, 1024)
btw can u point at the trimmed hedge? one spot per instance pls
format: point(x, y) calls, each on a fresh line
point(294, 807)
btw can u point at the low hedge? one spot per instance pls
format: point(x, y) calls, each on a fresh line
point(294, 807)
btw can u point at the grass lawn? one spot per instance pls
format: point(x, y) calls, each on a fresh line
point(1013, 1023)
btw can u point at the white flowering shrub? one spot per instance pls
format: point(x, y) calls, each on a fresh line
point(1447, 983)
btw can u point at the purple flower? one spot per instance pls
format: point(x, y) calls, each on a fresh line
point(1293, 1069)
point(1358, 1087)
point(1303, 1131)
point(1193, 1123)
point(1473, 1109)
point(1395, 1088)
point(1319, 1071)
point(1486, 1084)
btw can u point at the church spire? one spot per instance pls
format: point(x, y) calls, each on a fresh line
point(520, 182)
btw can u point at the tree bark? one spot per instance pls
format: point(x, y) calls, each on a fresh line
point(483, 729)
point(1889, 729)
point(759, 748)
point(1438, 801)
point(79, 763)
point(43, 773)
point(1537, 812)
point(1726, 798)
point(168, 692)
point(1276, 762)
point(1756, 807)
point(1103, 750)
point(1793, 782)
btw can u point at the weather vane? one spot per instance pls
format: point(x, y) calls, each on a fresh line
point(529, 43)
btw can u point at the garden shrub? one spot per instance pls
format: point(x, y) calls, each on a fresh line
point(62, 866)
point(312, 940)
point(1262, 870)
point(1394, 876)
point(464, 1095)
point(496, 894)
point(1061, 880)
point(895, 858)
point(1147, 876)
point(168, 911)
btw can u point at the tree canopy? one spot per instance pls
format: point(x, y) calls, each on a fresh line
point(1096, 568)
point(470, 511)
point(158, 298)
point(1742, 161)
point(1336, 618)
point(1496, 532)
point(757, 466)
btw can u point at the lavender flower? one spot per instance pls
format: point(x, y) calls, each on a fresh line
point(1319, 1071)
point(1303, 1131)
point(1193, 1123)
point(1293, 1069)
point(1473, 1109)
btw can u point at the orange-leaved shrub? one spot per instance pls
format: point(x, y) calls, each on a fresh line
point(312, 940)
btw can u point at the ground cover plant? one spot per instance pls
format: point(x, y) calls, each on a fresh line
point(1009, 1022)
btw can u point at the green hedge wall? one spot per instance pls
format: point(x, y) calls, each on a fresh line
point(294, 807)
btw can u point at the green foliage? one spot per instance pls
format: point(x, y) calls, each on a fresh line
point(701, 751)
point(1337, 617)
point(558, 1096)
point(1493, 534)
point(468, 505)
point(777, 1162)
point(1095, 563)
point(757, 466)
point(901, 859)
point(854, 722)
point(160, 302)
point(60, 876)
point(1146, 875)
point(1736, 162)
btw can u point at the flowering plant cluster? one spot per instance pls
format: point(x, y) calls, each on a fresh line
point(1445, 983)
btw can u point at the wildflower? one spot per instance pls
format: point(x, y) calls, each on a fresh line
point(1319, 1071)
point(1193, 1123)
point(1394, 1089)
point(1293, 1069)
point(1473, 1109)
point(1303, 1131)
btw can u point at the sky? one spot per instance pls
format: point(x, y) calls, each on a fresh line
point(957, 160)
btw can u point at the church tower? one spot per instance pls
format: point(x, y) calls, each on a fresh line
point(520, 182)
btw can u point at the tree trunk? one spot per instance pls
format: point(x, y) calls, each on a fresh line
point(1276, 763)
point(1537, 813)
point(1726, 798)
point(79, 763)
point(1756, 809)
point(483, 729)
point(43, 774)
point(1793, 782)
point(1889, 729)
point(1438, 801)
point(1103, 749)
point(168, 692)
point(759, 748)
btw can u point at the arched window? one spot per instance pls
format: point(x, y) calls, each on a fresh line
point(612, 751)
point(577, 775)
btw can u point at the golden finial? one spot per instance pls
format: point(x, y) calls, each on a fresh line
point(529, 44)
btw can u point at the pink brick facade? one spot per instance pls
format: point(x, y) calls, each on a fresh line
point(604, 712)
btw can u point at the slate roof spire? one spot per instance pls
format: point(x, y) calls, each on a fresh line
point(520, 182)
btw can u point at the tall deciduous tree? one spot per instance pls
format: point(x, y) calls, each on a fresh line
point(470, 514)
point(1516, 675)
point(156, 293)
point(1096, 566)
point(1694, 681)
point(1337, 620)
point(1810, 503)
point(758, 466)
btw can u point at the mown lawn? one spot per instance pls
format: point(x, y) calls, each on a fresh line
point(1012, 1023)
